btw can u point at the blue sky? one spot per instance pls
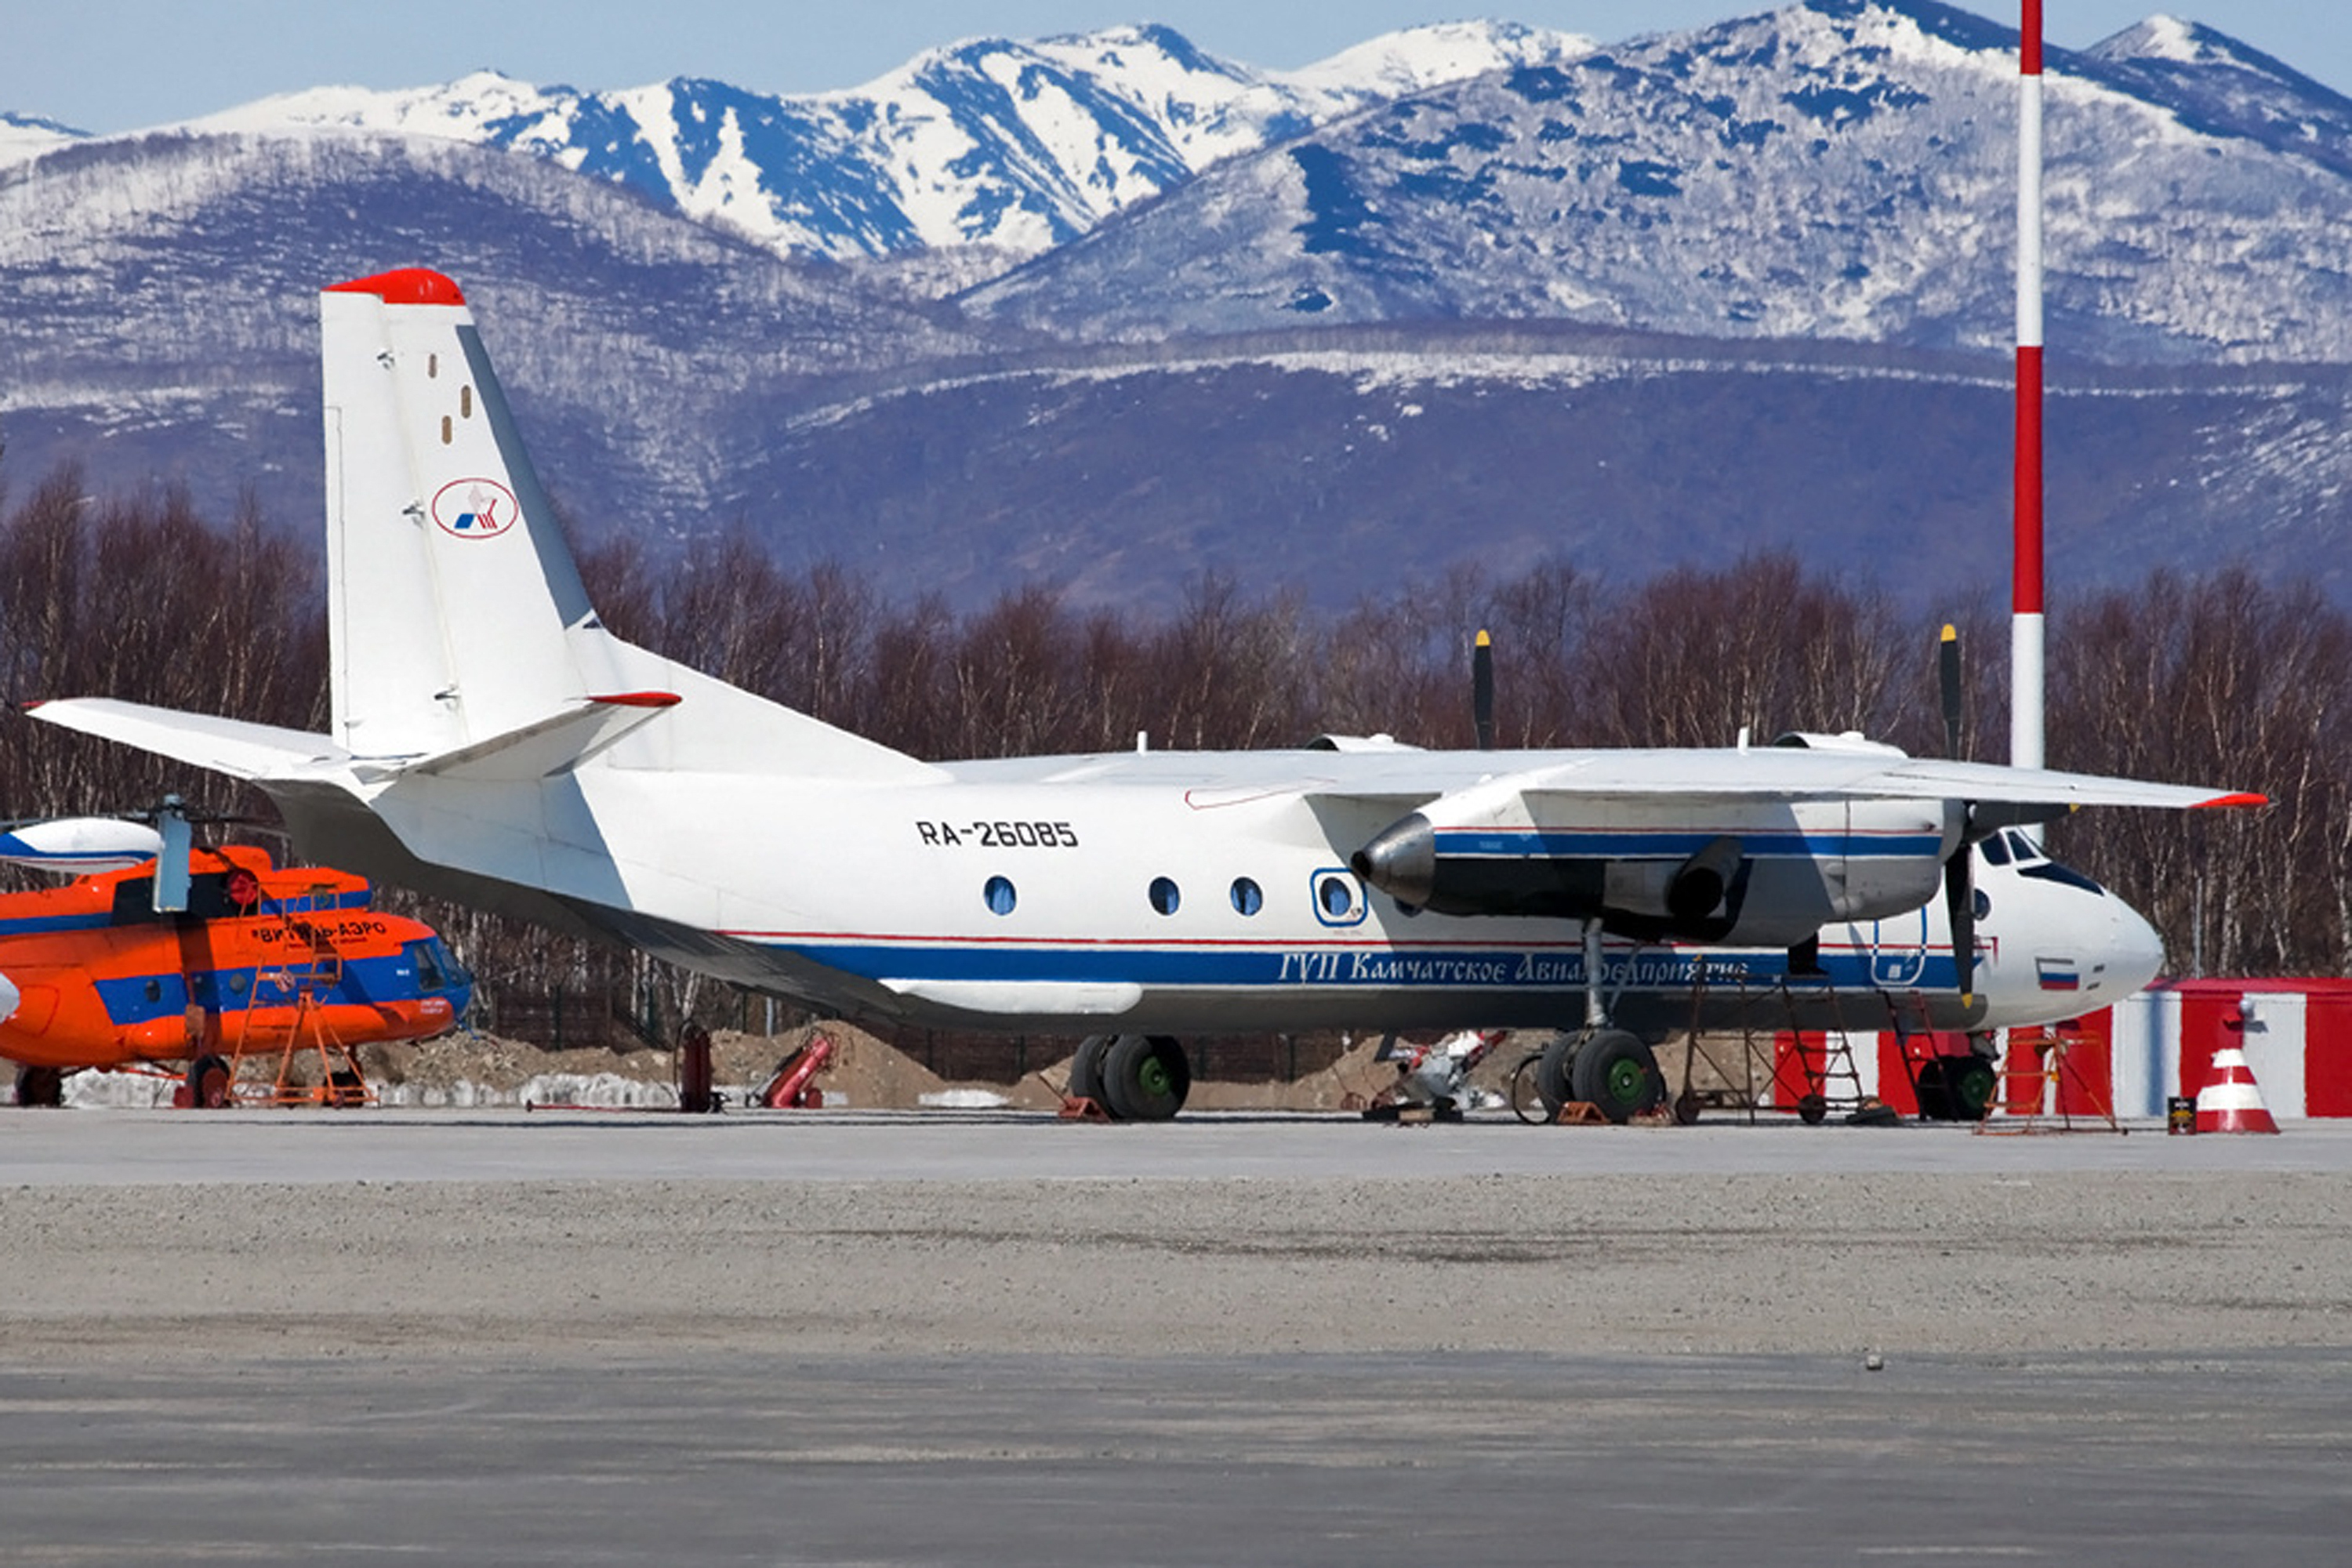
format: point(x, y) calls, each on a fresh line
point(118, 65)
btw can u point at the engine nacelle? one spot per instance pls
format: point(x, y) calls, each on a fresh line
point(1766, 875)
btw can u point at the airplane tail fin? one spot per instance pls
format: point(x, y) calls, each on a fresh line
point(457, 618)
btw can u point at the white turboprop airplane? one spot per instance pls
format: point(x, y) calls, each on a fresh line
point(493, 742)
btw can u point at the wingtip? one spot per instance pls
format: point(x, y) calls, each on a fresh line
point(2243, 799)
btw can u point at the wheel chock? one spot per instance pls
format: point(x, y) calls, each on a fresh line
point(1079, 1107)
point(1580, 1113)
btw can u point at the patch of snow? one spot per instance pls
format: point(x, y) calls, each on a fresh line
point(955, 1099)
point(118, 1091)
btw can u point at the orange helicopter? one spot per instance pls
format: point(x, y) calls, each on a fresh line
point(172, 954)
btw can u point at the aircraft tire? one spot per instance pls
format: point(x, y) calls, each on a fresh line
point(1145, 1078)
point(1085, 1069)
point(1935, 1090)
point(1556, 1074)
point(1616, 1072)
point(208, 1083)
point(1972, 1083)
point(40, 1086)
point(1526, 1104)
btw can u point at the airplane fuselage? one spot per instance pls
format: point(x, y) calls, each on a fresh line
point(1123, 892)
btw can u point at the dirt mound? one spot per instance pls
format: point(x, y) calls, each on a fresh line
point(469, 1068)
point(1348, 1083)
point(863, 1073)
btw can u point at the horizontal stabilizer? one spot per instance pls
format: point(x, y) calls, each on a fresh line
point(228, 746)
point(549, 745)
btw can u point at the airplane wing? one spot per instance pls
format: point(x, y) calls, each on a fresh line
point(1406, 780)
point(1928, 779)
point(1764, 775)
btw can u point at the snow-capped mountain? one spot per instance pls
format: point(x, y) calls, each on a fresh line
point(1739, 287)
point(1018, 146)
point(2215, 84)
point(1841, 169)
point(28, 136)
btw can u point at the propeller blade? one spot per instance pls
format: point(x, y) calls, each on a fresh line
point(1948, 672)
point(1482, 691)
point(1960, 910)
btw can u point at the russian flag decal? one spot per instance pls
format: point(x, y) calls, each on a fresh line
point(2059, 974)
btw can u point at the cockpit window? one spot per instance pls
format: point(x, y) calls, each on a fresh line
point(2026, 851)
point(2066, 875)
point(435, 970)
point(1996, 849)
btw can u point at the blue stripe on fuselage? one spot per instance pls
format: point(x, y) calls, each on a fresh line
point(1343, 965)
point(1530, 842)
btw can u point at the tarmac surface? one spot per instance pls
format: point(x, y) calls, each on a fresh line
point(865, 1337)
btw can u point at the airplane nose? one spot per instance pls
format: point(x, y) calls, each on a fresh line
point(2135, 951)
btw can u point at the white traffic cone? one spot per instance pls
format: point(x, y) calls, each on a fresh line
point(2231, 1102)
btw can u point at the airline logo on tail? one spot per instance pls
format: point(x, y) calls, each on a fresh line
point(475, 509)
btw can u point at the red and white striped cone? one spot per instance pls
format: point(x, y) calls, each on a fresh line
point(2231, 1102)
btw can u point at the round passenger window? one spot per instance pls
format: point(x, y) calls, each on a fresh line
point(1000, 896)
point(1247, 898)
point(1164, 896)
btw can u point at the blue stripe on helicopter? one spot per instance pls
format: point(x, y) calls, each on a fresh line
point(141, 999)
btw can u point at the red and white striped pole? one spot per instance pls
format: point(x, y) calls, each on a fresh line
point(2025, 633)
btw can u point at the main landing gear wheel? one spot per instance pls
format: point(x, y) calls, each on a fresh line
point(1615, 1072)
point(1526, 1104)
point(207, 1083)
point(1145, 1078)
point(1085, 1069)
point(1554, 1074)
point(40, 1086)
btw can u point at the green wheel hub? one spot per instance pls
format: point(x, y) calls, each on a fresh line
point(1624, 1081)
